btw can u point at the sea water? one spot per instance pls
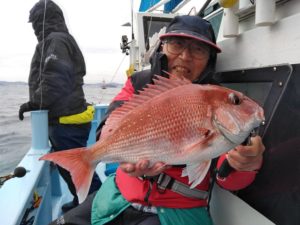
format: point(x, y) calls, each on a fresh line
point(15, 135)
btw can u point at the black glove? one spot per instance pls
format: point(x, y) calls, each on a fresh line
point(25, 107)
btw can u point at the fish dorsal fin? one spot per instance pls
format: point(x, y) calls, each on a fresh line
point(161, 85)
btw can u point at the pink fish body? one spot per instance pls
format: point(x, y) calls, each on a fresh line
point(173, 121)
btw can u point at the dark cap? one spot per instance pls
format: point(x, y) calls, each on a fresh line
point(192, 27)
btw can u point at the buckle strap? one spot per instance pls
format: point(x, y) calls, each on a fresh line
point(185, 190)
point(164, 182)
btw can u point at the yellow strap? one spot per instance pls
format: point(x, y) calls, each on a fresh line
point(130, 70)
point(80, 118)
point(227, 3)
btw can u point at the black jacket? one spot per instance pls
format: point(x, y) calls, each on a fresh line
point(57, 67)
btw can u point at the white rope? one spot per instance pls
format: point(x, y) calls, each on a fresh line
point(102, 93)
point(42, 53)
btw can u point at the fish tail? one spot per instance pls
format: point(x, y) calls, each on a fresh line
point(79, 163)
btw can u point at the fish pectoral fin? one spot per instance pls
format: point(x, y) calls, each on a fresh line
point(205, 139)
point(196, 172)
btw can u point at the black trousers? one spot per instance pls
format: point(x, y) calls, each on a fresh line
point(81, 215)
point(131, 216)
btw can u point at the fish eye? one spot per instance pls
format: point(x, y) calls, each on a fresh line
point(234, 99)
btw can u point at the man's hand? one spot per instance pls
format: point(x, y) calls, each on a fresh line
point(25, 107)
point(142, 168)
point(247, 158)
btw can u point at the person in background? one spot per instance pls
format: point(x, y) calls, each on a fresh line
point(55, 84)
point(141, 195)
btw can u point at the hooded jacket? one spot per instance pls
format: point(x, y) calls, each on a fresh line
point(57, 67)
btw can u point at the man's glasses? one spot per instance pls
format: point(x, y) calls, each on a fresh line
point(177, 45)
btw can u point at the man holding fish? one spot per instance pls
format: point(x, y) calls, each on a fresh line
point(167, 135)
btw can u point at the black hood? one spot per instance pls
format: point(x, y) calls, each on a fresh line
point(54, 19)
point(207, 75)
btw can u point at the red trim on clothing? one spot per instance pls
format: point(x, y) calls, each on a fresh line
point(126, 92)
point(236, 180)
point(193, 37)
point(134, 189)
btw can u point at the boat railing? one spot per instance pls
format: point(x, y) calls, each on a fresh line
point(102, 169)
point(37, 197)
point(100, 111)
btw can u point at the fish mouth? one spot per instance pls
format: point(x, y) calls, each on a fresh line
point(231, 137)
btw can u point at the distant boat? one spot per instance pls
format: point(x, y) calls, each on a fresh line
point(103, 85)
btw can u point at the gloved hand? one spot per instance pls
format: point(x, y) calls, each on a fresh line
point(25, 107)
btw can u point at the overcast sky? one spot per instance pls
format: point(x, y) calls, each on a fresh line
point(95, 24)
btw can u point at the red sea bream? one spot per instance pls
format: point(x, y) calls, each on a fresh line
point(172, 121)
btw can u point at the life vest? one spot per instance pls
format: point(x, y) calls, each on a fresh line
point(146, 191)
